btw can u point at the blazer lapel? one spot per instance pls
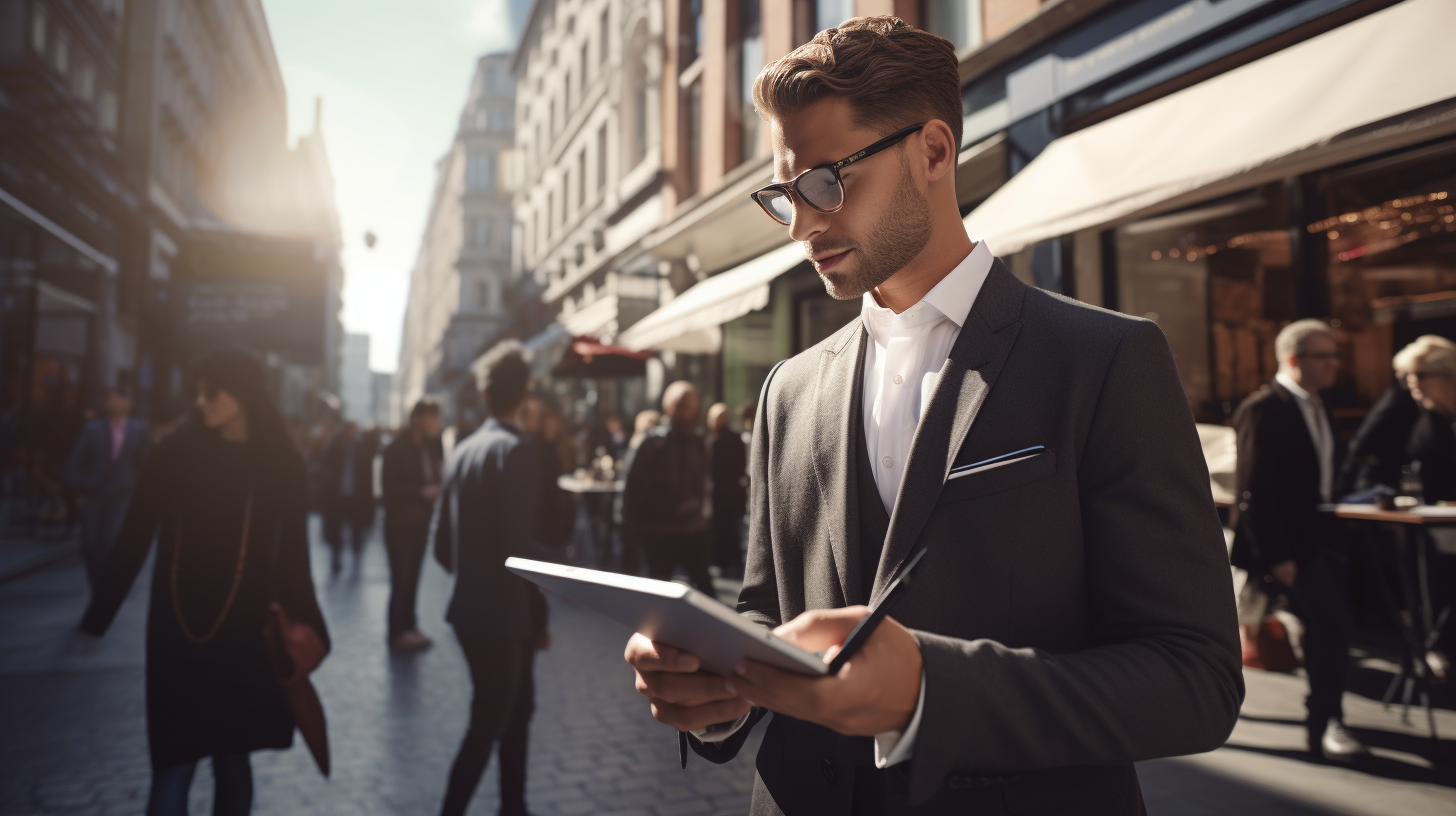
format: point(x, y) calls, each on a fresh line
point(966, 378)
point(838, 395)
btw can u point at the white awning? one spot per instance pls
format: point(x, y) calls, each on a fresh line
point(689, 323)
point(1291, 112)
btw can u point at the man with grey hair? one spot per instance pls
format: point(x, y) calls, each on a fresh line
point(1285, 470)
point(664, 498)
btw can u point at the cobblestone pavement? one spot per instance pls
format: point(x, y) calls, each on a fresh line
point(73, 737)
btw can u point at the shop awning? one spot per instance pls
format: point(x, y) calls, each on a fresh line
point(590, 358)
point(690, 322)
point(1309, 106)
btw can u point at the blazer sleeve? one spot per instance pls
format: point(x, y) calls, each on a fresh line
point(521, 496)
point(1263, 504)
point(133, 541)
point(1164, 677)
point(295, 590)
point(759, 599)
point(442, 520)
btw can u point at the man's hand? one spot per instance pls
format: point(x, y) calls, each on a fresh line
point(876, 691)
point(1285, 573)
point(682, 696)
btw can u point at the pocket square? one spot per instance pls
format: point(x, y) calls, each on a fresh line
point(995, 462)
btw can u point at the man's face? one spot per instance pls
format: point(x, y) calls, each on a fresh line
point(1318, 362)
point(885, 220)
point(118, 406)
point(429, 424)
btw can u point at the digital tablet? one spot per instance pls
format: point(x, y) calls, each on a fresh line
point(671, 613)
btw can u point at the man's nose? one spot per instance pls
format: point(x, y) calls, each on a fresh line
point(806, 222)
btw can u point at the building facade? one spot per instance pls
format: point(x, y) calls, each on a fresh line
point(461, 287)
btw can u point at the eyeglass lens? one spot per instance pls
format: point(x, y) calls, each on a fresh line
point(778, 205)
point(821, 188)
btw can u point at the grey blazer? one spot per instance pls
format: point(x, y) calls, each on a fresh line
point(1075, 610)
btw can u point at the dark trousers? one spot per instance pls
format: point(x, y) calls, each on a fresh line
point(232, 780)
point(347, 516)
point(727, 531)
point(101, 515)
point(404, 543)
point(500, 711)
point(666, 550)
point(1319, 603)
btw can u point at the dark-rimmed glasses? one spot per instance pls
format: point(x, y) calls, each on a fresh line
point(820, 187)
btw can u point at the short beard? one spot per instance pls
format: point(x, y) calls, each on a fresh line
point(895, 241)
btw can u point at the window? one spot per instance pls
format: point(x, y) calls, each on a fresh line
point(566, 113)
point(602, 159)
point(480, 232)
point(83, 82)
point(604, 26)
point(480, 172)
point(583, 64)
point(38, 22)
point(482, 296)
point(581, 181)
point(106, 111)
point(499, 120)
point(749, 55)
point(830, 13)
point(956, 20)
point(690, 32)
point(693, 143)
point(550, 214)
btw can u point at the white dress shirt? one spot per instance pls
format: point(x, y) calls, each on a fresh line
point(903, 359)
point(1319, 431)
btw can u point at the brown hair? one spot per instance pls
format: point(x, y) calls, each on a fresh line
point(892, 74)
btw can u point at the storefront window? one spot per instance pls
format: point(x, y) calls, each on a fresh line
point(1391, 246)
point(1217, 279)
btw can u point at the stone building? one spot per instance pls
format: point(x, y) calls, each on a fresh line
point(460, 290)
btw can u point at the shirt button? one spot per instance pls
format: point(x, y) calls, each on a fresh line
point(897, 379)
point(888, 462)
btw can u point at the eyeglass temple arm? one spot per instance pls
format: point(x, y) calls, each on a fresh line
point(888, 141)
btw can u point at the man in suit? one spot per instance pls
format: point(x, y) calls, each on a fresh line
point(666, 490)
point(484, 514)
point(348, 483)
point(104, 465)
point(728, 458)
point(409, 478)
point(1073, 613)
point(1285, 470)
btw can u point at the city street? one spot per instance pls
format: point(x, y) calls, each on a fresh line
point(75, 740)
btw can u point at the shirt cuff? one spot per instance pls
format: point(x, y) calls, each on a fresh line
point(894, 747)
point(717, 732)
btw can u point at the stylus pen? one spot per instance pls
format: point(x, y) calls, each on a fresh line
point(867, 624)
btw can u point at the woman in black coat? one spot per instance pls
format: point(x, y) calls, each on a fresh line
point(224, 496)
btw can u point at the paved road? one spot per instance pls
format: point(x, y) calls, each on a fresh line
point(73, 741)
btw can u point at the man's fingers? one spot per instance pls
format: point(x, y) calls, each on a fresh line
point(774, 689)
point(683, 689)
point(696, 718)
point(648, 655)
point(818, 629)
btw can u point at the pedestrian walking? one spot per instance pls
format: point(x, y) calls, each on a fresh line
point(1285, 470)
point(729, 467)
point(104, 466)
point(224, 496)
point(484, 515)
point(347, 463)
point(1072, 611)
point(410, 481)
point(663, 500)
point(633, 561)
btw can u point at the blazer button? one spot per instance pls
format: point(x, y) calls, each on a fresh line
point(828, 768)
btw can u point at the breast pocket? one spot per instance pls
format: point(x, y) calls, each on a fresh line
point(995, 480)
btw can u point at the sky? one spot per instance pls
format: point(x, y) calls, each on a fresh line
point(393, 76)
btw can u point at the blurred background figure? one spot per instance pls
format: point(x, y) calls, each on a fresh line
point(729, 471)
point(103, 467)
point(1286, 456)
point(664, 496)
point(225, 496)
point(632, 562)
point(410, 482)
point(1429, 368)
point(485, 514)
point(347, 467)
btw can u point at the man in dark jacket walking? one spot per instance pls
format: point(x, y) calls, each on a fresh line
point(667, 481)
point(104, 466)
point(729, 465)
point(1286, 469)
point(410, 481)
point(348, 492)
point(484, 515)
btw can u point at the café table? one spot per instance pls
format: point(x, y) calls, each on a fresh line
point(600, 527)
point(571, 484)
point(1419, 622)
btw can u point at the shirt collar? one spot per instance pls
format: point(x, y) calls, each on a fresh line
point(951, 298)
point(1294, 388)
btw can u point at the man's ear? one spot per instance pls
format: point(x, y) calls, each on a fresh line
point(940, 149)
